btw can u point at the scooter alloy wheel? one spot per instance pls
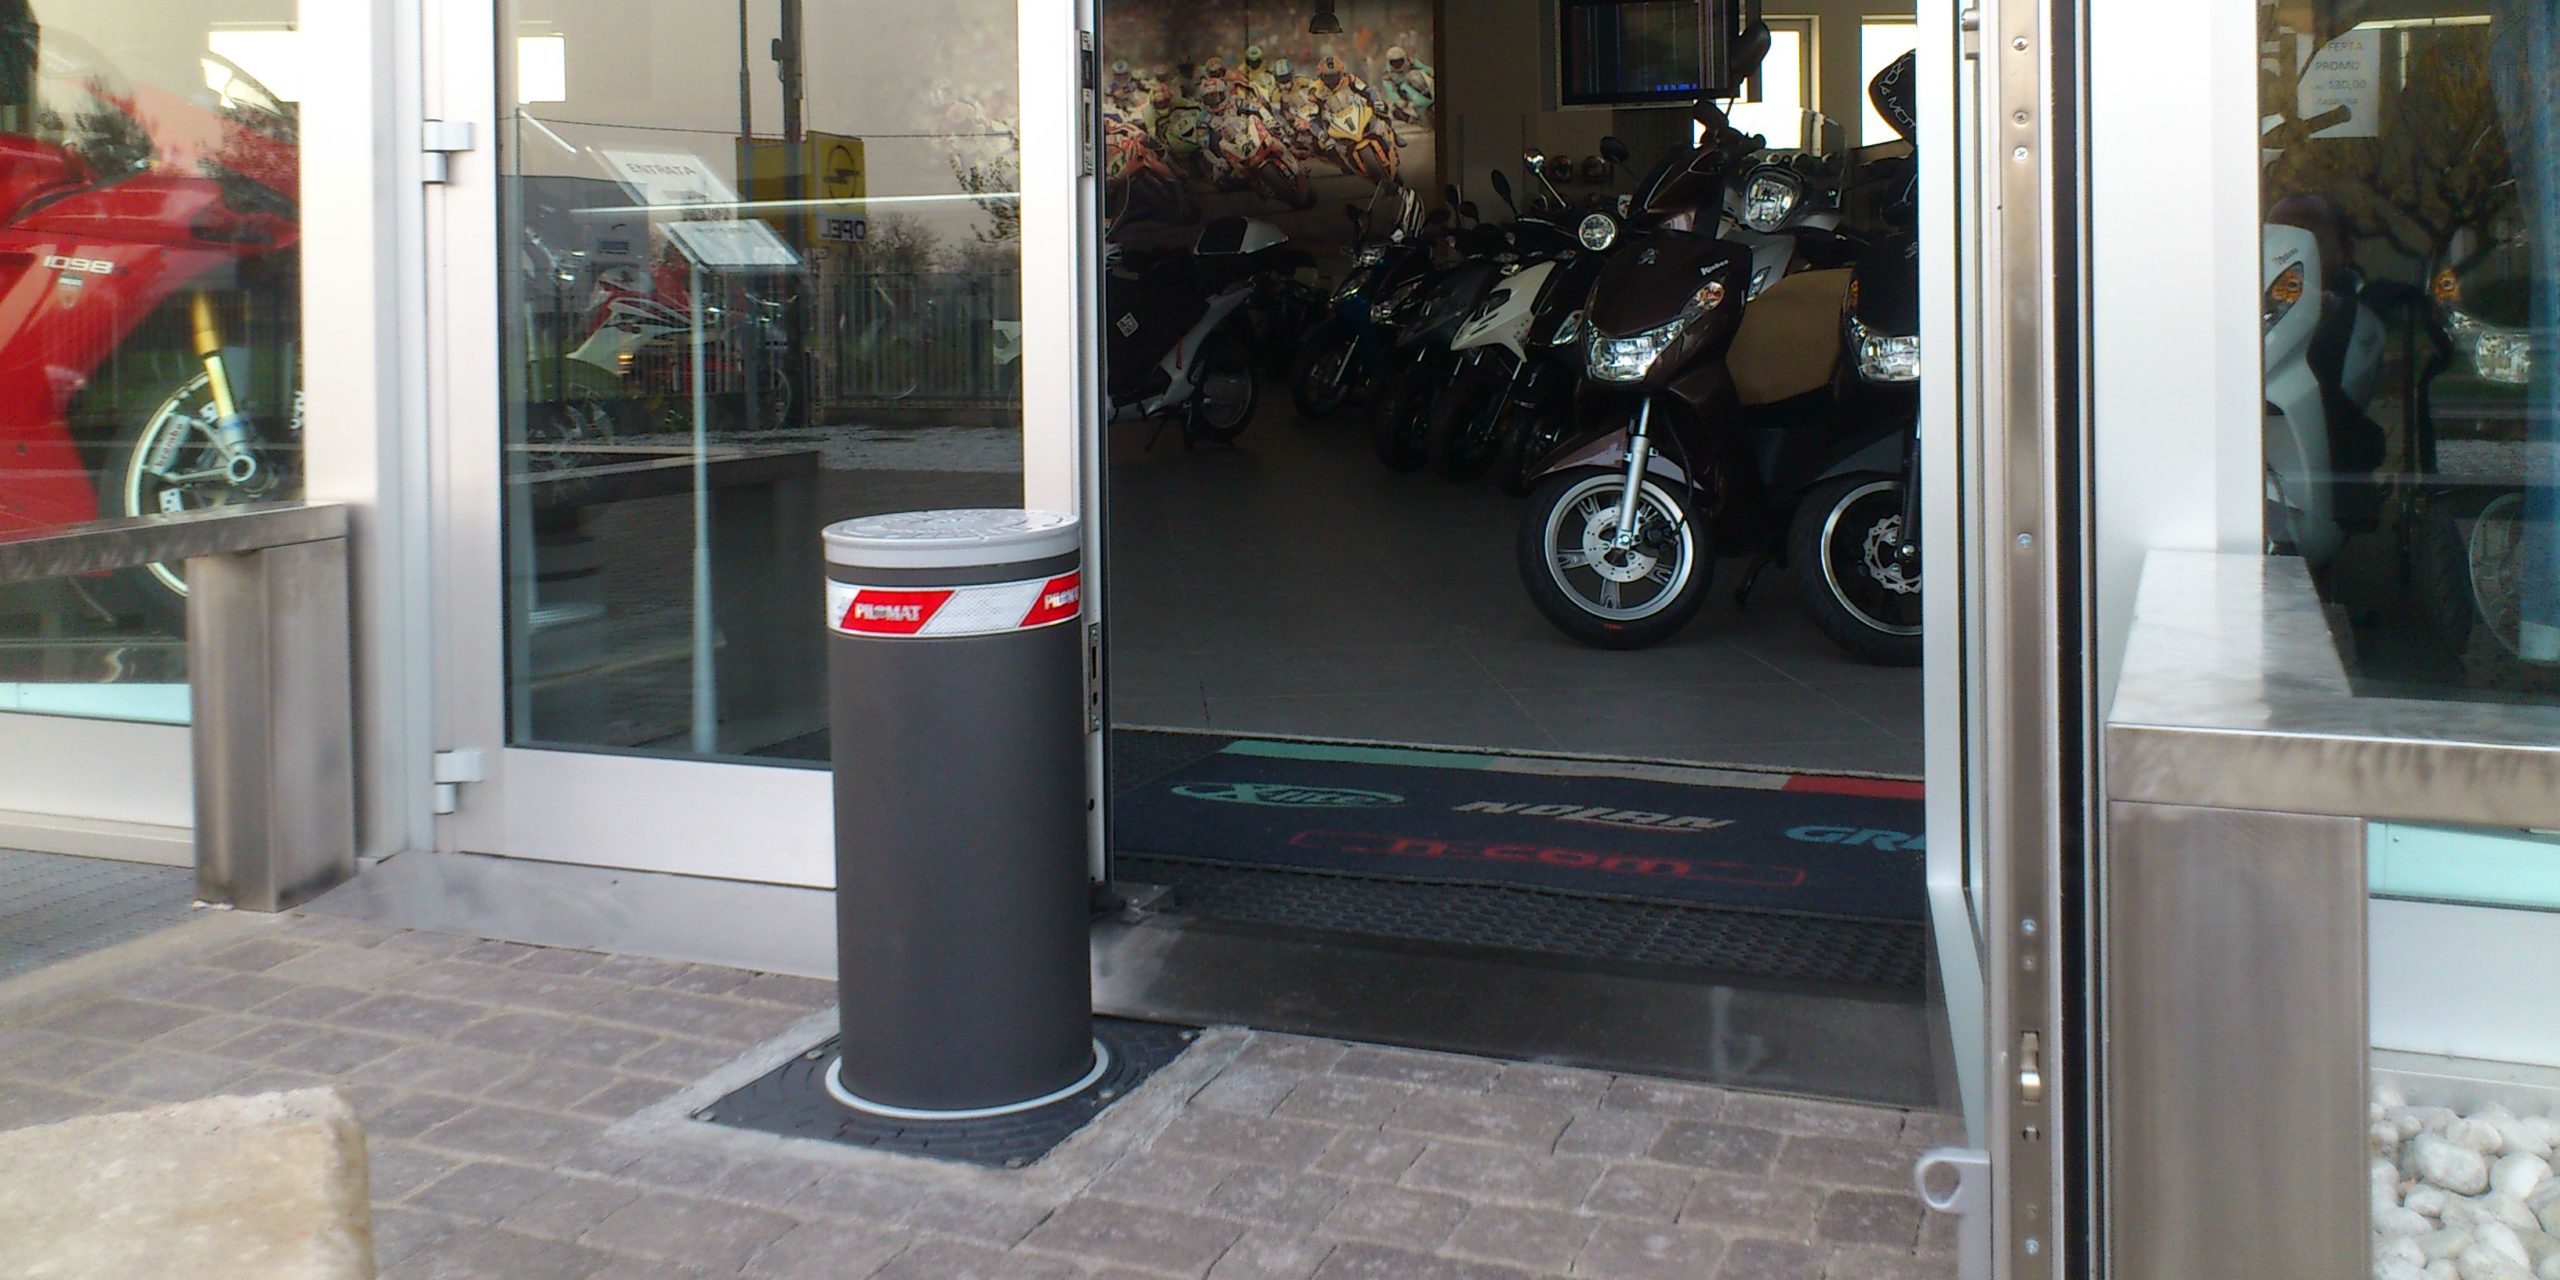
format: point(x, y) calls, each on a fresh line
point(1223, 392)
point(1326, 372)
point(1600, 593)
point(1844, 553)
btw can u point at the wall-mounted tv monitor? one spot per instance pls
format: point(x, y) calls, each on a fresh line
point(1636, 53)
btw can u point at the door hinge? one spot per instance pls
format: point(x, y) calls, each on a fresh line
point(1088, 99)
point(452, 769)
point(438, 140)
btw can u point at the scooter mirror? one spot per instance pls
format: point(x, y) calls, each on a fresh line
point(1615, 150)
point(1452, 192)
point(1501, 185)
point(1467, 210)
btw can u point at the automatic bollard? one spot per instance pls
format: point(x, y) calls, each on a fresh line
point(957, 682)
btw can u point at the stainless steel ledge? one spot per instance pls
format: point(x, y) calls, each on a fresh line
point(100, 545)
point(2233, 696)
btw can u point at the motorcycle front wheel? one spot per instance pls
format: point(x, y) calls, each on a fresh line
point(1467, 425)
point(1604, 595)
point(1327, 369)
point(173, 463)
point(1400, 418)
point(1535, 431)
point(1843, 551)
point(1223, 391)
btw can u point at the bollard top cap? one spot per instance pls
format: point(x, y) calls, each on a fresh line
point(957, 539)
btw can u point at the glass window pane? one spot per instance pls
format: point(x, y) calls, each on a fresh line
point(1779, 114)
point(150, 347)
point(743, 301)
point(1879, 43)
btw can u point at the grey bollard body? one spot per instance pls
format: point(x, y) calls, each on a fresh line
point(961, 904)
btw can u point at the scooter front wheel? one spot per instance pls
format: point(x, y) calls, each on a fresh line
point(1594, 589)
point(1224, 390)
point(1326, 371)
point(1400, 418)
point(1844, 551)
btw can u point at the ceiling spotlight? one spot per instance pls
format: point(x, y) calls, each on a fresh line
point(1325, 23)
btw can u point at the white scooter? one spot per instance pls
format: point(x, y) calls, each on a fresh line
point(1502, 354)
point(2324, 344)
point(1170, 347)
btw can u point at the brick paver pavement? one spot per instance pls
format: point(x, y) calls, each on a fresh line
point(524, 1109)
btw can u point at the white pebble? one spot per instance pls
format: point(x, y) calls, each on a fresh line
point(2439, 1246)
point(2548, 1268)
point(2517, 1137)
point(2502, 1238)
point(2480, 1262)
point(2477, 1134)
point(2538, 1244)
point(2401, 1248)
point(2509, 1211)
point(2430, 1201)
point(2443, 1270)
point(2394, 1269)
point(2517, 1175)
point(2396, 1221)
point(2461, 1212)
point(2545, 1130)
point(2385, 1095)
point(2546, 1209)
point(2450, 1165)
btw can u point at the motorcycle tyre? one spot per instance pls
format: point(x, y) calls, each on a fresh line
point(1400, 418)
point(1223, 351)
point(1311, 389)
point(1458, 410)
point(1837, 621)
point(1568, 616)
point(1534, 432)
point(2439, 583)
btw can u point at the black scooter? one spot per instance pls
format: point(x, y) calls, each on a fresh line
point(1338, 359)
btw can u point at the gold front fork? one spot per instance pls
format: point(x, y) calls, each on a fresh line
point(231, 430)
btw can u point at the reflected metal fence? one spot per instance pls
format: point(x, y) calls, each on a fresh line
point(933, 339)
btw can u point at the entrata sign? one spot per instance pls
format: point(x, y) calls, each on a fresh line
point(941, 612)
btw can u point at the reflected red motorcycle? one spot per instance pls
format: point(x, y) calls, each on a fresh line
point(148, 290)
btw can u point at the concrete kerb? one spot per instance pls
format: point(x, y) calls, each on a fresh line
point(28, 996)
point(1129, 1124)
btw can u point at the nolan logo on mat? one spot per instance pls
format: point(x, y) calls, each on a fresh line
point(1632, 819)
point(1890, 841)
point(1282, 795)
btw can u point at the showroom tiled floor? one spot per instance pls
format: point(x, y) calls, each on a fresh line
point(524, 1109)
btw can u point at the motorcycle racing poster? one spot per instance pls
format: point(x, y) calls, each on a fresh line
point(1213, 108)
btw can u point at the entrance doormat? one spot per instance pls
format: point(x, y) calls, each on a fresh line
point(1835, 846)
point(792, 1100)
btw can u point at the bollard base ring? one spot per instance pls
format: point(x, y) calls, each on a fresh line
point(836, 1090)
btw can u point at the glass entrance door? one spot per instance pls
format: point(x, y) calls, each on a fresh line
point(751, 270)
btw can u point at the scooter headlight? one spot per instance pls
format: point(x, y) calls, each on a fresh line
point(1369, 255)
point(1598, 232)
point(2498, 354)
point(1771, 196)
point(1569, 332)
point(1392, 308)
point(1885, 357)
point(2282, 292)
point(1630, 358)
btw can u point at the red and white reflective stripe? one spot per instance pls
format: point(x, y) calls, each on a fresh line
point(986, 609)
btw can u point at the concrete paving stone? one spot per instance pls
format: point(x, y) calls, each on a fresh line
point(1137, 1235)
point(169, 986)
point(515, 986)
point(1754, 1206)
point(1413, 1066)
point(677, 1168)
point(1002, 1223)
point(1543, 1240)
point(367, 968)
point(438, 1068)
point(563, 960)
point(203, 1034)
point(399, 1233)
point(1396, 1216)
point(484, 1191)
point(625, 1267)
point(1570, 1085)
point(762, 1180)
point(826, 1249)
point(960, 1260)
point(390, 1112)
point(1654, 1251)
point(804, 994)
point(683, 1013)
point(707, 980)
point(687, 1229)
point(164, 1076)
point(1871, 1217)
point(274, 1079)
point(847, 1193)
point(1263, 1255)
point(261, 1040)
point(544, 1086)
point(417, 1017)
point(1886, 1264)
point(27, 1104)
point(49, 1057)
point(1665, 1097)
point(1248, 1088)
point(333, 1051)
point(636, 971)
point(17, 1044)
point(1651, 1192)
point(1356, 1101)
point(1261, 1139)
point(510, 1132)
point(1290, 1199)
point(394, 1169)
point(491, 951)
point(1611, 1134)
point(1759, 1259)
point(123, 1021)
point(1925, 1129)
point(1718, 1148)
point(221, 990)
point(1847, 1162)
point(340, 930)
point(257, 954)
point(1487, 1173)
point(1381, 1157)
point(569, 1208)
point(1293, 1053)
point(1941, 1233)
point(309, 1003)
point(1358, 1260)
point(1169, 1180)
point(619, 1096)
point(482, 1253)
point(681, 1058)
point(426, 942)
point(588, 1043)
point(1503, 1121)
point(1803, 1115)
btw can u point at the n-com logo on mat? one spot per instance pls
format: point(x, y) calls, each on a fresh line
point(1283, 795)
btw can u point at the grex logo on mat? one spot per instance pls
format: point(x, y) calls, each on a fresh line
point(1632, 819)
point(1283, 795)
